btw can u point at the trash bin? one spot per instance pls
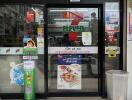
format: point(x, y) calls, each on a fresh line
point(117, 82)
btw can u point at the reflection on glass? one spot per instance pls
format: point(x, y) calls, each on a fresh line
point(65, 26)
point(112, 24)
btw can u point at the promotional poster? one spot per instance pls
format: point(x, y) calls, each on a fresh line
point(69, 72)
point(29, 80)
point(30, 48)
point(16, 74)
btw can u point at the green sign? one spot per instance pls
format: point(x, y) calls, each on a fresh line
point(30, 51)
point(29, 80)
point(73, 28)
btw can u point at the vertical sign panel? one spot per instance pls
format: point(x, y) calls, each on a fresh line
point(29, 80)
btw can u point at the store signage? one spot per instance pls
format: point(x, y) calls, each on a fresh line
point(74, 0)
point(73, 28)
point(73, 50)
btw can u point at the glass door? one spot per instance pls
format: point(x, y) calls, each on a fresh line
point(73, 35)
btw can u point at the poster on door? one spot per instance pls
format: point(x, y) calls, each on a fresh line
point(69, 76)
point(69, 72)
point(86, 38)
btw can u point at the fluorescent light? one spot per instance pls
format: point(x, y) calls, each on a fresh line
point(62, 19)
point(71, 10)
point(56, 19)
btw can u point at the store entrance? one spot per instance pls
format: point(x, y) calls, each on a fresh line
point(74, 41)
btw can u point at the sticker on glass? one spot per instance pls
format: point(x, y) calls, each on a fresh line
point(69, 76)
point(86, 38)
point(16, 73)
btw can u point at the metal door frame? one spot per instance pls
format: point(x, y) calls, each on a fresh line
point(101, 51)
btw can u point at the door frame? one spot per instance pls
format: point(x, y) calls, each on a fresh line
point(101, 51)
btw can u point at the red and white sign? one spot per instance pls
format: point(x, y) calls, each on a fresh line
point(30, 17)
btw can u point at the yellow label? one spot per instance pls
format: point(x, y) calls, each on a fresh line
point(111, 53)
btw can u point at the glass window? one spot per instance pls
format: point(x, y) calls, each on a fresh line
point(112, 35)
point(72, 32)
point(18, 22)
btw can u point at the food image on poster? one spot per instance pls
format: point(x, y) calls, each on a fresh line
point(69, 76)
point(16, 73)
point(69, 72)
point(86, 38)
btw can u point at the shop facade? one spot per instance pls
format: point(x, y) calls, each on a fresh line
point(73, 45)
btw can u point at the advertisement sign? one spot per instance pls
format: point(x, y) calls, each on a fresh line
point(30, 48)
point(16, 73)
point(69, 76)
point(86, 38)
point(69, 59)
point(29, 80)
point(69, 72)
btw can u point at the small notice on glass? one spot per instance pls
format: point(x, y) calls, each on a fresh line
point(86, 38)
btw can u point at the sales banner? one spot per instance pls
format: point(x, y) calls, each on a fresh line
point(69, 72)
point(29, 80)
